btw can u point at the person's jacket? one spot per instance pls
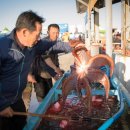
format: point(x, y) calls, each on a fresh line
point(14, 67)
point(63, 47)
point(39, 64)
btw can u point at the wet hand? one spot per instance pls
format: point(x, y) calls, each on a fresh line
point(58, 71)
point(7, 112)
point(57, 76)
point(31, 78)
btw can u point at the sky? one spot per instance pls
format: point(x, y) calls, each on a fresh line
point(54, 11)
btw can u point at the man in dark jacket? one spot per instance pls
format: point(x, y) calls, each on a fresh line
point(17, 51)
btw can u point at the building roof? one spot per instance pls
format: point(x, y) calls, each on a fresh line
point(81, 5)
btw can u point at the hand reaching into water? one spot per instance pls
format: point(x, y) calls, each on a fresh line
point(31, 78)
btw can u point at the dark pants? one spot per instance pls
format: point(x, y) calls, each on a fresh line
point(15, 122)
point(42, 87)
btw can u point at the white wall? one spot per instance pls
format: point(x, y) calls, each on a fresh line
point(122, 70)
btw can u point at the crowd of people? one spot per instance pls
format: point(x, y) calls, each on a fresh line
point(46, 66)
point(25, 57)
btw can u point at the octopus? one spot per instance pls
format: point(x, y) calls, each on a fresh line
point(86, 70)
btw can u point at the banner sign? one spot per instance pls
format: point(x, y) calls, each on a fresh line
point(63, 28)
